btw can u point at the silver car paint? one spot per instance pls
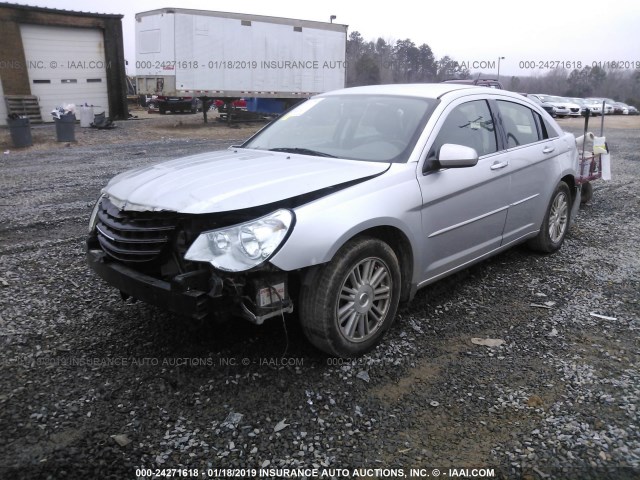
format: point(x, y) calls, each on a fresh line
point(323, 226)
point(463, 212)
point(231, 180)
point(451, 218)
point(532, 168)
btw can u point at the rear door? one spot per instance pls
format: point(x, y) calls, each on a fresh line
point(532, 149)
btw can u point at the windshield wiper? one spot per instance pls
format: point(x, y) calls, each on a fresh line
point(301, 151)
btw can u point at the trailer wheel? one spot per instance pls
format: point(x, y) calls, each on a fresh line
point(587, 193)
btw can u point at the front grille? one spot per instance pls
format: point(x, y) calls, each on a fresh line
point(133, 236)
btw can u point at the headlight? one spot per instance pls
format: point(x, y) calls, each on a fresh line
point(243, 246)
point(93, 219)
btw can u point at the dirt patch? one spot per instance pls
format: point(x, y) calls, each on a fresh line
point(421, 376)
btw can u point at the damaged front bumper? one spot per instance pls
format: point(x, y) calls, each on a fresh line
point(199, 294)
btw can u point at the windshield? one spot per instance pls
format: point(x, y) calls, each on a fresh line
point(379, 128)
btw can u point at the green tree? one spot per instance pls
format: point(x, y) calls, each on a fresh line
point(597, 76)
point(449, 69)
point(355, 45)
point(384, 58)
point(579, 83)
point(405, 56)
point(427, 65)
point(367, 71)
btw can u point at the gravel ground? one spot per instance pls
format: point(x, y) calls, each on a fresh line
point(94, 387)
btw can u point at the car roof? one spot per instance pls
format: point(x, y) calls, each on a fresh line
point(426, 90)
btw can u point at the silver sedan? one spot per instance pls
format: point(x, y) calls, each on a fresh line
point(343, 207)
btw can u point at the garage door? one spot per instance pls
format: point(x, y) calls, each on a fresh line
point(65, 65)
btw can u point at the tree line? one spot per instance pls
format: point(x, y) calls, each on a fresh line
point(373, 63)
point(385, 61)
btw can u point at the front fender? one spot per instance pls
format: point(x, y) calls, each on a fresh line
point(392, 199)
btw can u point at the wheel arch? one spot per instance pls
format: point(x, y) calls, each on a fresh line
point(571, 183)
point(399, 243)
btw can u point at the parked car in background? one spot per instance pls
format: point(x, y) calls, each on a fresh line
point(574, 109)
point(550, 109)
point(239, 103)
point(578, 102)
point(608, 104)
point(584, 106)
point(620, 108)
point(633, 110)
point(561, 109)
point(170, 104)
point(343, 207)
point(595, 108)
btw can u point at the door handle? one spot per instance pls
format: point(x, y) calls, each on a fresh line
point(499, 165)
point(548, 149)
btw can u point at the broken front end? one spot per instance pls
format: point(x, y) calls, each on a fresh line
point(205, 265)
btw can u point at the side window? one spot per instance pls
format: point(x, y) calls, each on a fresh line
point(549, 131)
point(469, 124)
point(519, 124)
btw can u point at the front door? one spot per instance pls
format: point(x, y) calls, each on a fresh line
point(463, 209)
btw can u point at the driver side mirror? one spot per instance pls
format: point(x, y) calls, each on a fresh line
point(457, 156)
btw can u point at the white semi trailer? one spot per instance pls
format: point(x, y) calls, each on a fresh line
point(186, 54)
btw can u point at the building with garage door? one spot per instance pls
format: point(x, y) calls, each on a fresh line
point(52, 57)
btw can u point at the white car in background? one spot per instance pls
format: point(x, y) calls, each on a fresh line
point(561, 108)
point(574, 109)
point(608, 104)
point(595, 108)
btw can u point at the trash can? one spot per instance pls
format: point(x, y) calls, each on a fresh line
point(66, 128)
point(20, 131)
point(99, 119)
point(86, 116)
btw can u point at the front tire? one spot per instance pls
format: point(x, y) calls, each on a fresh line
point(353, 299)
point(556, 221)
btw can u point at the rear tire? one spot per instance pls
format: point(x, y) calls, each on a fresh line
point(353, 299)
point(556, 222)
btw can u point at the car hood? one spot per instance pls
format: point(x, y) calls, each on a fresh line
point(231, 180)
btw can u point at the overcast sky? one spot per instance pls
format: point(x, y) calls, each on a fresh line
point(468, 31)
